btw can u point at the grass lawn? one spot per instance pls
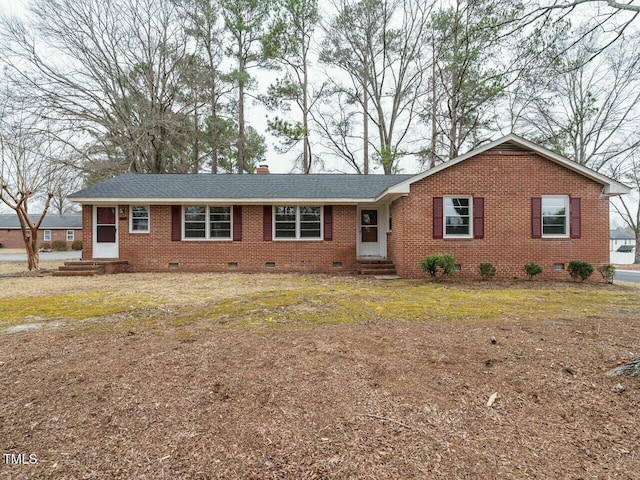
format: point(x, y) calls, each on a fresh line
point(314, 376)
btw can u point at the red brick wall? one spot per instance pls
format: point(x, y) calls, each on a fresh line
point(13, 238)
point(154, 251)
point(87, 228)
point(507, 181)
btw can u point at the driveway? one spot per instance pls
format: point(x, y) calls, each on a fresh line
point(17, 257)
point(628, 276)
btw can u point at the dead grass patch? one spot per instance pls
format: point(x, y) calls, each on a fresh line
point(319, 377)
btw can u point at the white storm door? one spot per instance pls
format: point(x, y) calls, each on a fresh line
point(105, 232)
point(369, 233)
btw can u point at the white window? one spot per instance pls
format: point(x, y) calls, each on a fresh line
point(70, 235)
point(457, 217)
point(555, 216)
point(139, 219)
point(46, 236)
point(202, 222)
point(297, 222)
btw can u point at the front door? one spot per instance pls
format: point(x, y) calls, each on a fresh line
point(105, 234)
point(369, 233)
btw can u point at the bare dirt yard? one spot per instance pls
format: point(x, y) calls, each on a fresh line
point(180, 376)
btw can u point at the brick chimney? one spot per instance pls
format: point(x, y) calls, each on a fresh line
point(263, 170)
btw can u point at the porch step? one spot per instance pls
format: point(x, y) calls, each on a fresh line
point(378, 271)
point(375, 267)
point(77, 273)
point(88, 268)
point(81, 268)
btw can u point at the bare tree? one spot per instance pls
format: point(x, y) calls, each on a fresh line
point(111, 71)
point(611, 19)
point(628, 207)
point(588, 110)
point(471, 73)
point(246, 21)
point(379, 44)
point(338, 123)
point(291, 45)
point(206, 27)
point(28, 169)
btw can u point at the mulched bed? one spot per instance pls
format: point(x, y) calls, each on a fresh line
point(374, 400)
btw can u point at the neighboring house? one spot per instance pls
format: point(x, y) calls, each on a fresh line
point(509, 202)
point(54, 227)
point(622, 247)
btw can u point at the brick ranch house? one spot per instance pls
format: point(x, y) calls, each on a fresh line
point(54, 227)
point(509, 202)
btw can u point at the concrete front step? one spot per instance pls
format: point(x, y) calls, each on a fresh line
point(77, 273)
point(376, 266)
point(379, 261)
point(81, 267)
point(379, 271)
point(88, 268)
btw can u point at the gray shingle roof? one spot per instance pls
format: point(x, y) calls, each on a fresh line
point(50, 222)
point(276, 186)
point(618, 235)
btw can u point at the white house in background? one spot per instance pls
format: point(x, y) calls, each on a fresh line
point(622, 247)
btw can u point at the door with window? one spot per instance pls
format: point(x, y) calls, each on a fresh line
point(105, 232)
point(369, 233)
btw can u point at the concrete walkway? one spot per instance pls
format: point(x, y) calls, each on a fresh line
point(22, 257)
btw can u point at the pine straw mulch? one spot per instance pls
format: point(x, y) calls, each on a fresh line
point(379, 400)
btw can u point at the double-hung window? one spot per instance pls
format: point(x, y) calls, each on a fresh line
point(70, 235)
point(139, 219)
point(297, 222)
point(220, 222)
point(555, 216)
point(458, 217)
point(46, 235)
point(202, 222)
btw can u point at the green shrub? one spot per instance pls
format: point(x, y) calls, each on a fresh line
point(532, 269)
point(438, 265)
point(487, 271)
point(607, 272)
point(76, 245)
point(59, 246)
point(44, 246)
point(580, 270)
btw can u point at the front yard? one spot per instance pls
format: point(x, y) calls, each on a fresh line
point(314, 376)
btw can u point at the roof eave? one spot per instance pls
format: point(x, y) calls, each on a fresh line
point(203, 200)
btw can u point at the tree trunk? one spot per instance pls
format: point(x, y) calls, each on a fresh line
point(196, 140)
point(453, 110)
point(241, 69)
point(365, 126)
point(213, 130)
point(630, 369)
point(33, 256)
point(434, 123)
point(306, 146)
